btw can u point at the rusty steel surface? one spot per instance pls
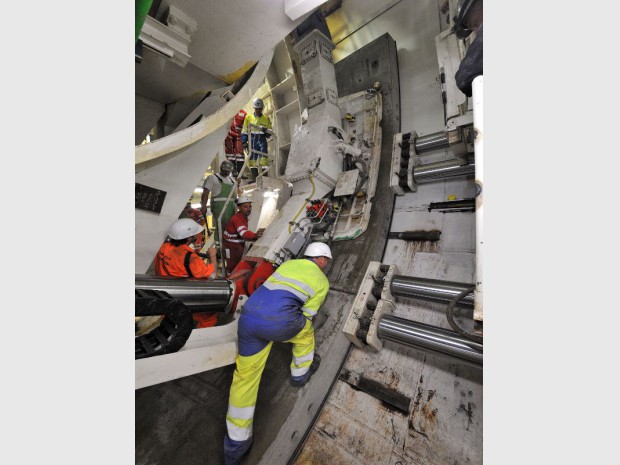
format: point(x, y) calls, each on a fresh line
point(359, 427)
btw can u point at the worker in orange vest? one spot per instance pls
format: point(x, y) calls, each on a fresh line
point(176, 258)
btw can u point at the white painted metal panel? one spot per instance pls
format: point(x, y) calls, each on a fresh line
point(206, 349)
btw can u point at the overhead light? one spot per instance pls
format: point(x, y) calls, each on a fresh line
point(295, 9)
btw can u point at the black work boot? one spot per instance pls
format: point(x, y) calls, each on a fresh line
point(315, 366)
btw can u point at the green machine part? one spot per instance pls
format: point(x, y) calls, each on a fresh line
point(142, 9)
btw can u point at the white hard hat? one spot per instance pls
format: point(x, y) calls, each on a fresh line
point(227, 165)
point(184, 228)
point(318, 249)
point(257, 103)
point(243, 199)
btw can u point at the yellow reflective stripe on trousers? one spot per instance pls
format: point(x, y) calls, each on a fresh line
point(243, 393)
point(303, 347)
point(303, 286)
point(283, 287)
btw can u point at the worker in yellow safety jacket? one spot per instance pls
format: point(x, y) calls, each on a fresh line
point(257, 128)
point(280, 310)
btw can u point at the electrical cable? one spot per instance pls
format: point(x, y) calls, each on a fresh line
point(450, 315)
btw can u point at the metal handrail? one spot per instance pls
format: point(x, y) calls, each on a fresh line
point(262, 173)
point(251, 150)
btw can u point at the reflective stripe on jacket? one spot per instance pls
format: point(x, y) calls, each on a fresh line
point(237, 231)
point(252, 119)
point(297, 285)
point(259, 139)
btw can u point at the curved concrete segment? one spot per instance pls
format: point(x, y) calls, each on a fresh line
point(175, 164)
point(177, 141)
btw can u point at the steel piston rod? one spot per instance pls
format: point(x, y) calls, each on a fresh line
point(430, 289)
point(196, 294)
point(430, 142)
point(442, 170)
point(430, 338)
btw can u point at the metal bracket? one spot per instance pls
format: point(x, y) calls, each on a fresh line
point(326, 52)
point(332, 96)
point(459, 121)
point(369, 306)
point(386, 294)
point(404, 160)
point(458, 131)
point(166, 41)
point(314, 97)
point(308, 52)
point(347, 181)
point(359, 307)
point(180, 22)
point(395, 167)
point(383, 307)
point(325, 179)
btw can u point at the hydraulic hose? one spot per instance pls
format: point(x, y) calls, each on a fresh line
point(363, 175)
point(290, 225)
point(450, 315)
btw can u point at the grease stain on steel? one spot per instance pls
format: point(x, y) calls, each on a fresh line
point(469, 412)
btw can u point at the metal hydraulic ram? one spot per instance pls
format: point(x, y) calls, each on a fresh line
point(173, 300)
point(431, 142)
point(407, 171)
point(198, 295)
point(430, 289)
point(442, 170)
point(430, 338)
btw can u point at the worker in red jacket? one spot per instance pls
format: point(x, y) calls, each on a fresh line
point(176, 258)
point(232, 144)
point(237, 233)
